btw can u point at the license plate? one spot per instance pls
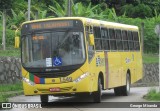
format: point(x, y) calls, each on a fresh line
point(56, 89)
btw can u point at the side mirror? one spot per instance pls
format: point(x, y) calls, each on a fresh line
point(91, 39)
point(17, 41)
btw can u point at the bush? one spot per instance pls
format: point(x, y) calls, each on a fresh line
point(151, 40)
point(10, 34)
point(153, 95)
point(140, 10)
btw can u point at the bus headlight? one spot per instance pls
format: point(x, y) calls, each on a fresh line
point(81, 77)
point(28, 81)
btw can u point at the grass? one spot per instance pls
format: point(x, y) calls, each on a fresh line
point(10, 90)
point(10, 52)
point(150, 58)
point(152, 95)
point(11, 87)
point(4, 96)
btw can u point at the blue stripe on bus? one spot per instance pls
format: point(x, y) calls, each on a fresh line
point(42, 81)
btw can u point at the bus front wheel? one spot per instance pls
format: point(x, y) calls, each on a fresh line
point(44, 98)
point(97, 95)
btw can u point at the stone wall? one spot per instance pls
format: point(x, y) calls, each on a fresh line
point(150, 75)
point(10, 72)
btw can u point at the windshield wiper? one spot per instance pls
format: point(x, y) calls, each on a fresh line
point(65, 38)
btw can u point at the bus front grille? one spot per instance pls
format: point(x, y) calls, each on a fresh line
point(53, 74)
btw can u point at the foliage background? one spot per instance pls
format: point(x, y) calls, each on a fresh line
point(132, 12)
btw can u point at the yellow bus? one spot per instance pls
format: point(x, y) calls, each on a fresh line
point(76, 55)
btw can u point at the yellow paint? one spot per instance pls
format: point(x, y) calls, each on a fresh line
point(117, 67)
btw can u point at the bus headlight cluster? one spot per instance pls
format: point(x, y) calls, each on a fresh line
point(28, 81)
point(81, 77)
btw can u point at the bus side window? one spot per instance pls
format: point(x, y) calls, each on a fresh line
point(136, 41)
point(105, 39)
point(119, 40)
point(97, 38)
point(130, 41)
point(112, 39)
point(125, 40)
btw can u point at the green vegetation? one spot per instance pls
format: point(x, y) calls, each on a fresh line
point(141, 13)
point(4, 96)
point(150, 58)
point(133, 12)
point(152, 95)
point(140, 10)
point(10, 90)
point(10, 52)
point(10, 87)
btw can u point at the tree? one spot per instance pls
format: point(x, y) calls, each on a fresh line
point(140, 10)
point(59, 10)
point(78, 9)
point(15, 21)
point(5, 4)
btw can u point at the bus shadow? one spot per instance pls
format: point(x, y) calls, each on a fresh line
point(80, 102)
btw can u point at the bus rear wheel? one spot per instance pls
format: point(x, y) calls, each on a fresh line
point(126, 88)
point(117, 91)
point(44, 98)
point(123, 90)
point(97, 95)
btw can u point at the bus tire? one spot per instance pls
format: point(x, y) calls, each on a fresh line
point(44, 98)
point(97, 95)
point(126, 89)
point(117, 91)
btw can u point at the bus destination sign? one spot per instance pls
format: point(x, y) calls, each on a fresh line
point(51, 24)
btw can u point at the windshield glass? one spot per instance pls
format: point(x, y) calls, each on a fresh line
point(52, 49)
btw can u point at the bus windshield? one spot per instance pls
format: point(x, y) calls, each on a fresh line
point(53, 49)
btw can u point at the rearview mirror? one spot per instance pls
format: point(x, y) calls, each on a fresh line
point(16, 42)
point(91, 39)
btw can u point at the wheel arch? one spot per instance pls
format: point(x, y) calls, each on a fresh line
point(129, 73)
point(101, 76)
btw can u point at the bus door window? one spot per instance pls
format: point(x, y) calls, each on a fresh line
point(98, 40)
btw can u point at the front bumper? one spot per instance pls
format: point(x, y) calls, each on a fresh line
point(84, 86)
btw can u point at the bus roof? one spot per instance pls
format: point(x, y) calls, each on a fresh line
point(94, 22)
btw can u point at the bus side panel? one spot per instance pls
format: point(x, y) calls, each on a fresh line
point(107, 70)
point(28, 89)
point(131, 61)
point(139, 68)
point(115, 69)
point(97, 66)
point(128, 64)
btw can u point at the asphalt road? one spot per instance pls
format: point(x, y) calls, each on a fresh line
point(84, 103)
